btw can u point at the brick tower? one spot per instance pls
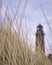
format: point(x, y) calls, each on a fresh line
point(40, 37)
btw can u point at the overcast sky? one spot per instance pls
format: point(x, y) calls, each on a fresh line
point(33, 16)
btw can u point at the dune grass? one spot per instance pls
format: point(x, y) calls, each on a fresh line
point(16, 51)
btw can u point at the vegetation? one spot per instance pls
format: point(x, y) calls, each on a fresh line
point(14, 50)
point(14, 47)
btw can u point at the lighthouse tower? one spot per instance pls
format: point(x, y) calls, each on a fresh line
point(40, 37)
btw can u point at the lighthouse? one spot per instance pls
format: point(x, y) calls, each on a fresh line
point(40, 37)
